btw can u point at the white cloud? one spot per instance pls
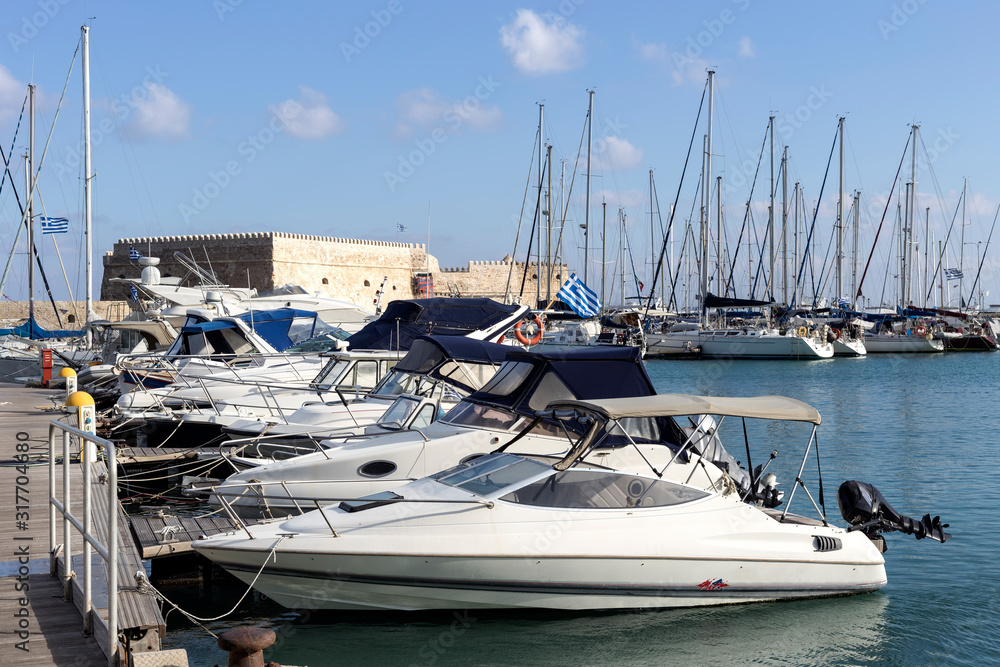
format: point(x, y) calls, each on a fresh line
point(426, 109)
point(12, 94)
point(309, 117)
point(542, 44)
point(747, 48)
point(683, 68)
point(618, 153)
point(160, 113)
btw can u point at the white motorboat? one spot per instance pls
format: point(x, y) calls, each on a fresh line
point(765, 343)
point(357, 465)
point(510, 531)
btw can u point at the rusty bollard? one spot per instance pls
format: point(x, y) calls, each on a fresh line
point(246, 645)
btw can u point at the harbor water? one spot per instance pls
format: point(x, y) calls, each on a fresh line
point(923, 429)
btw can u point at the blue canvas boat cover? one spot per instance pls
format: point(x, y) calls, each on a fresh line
point(282, 327)
point(31, 329)
point(405, 319)
point(529, 381)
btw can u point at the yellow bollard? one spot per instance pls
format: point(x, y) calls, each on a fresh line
point(70, 376)
point(82, 403)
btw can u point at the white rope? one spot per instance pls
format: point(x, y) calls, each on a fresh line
point(144, 585)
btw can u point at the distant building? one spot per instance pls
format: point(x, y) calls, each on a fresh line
point(349, 269)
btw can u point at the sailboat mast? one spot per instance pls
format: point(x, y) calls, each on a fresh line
point(586, 205)
point(87, 175)
point(541, 181)
point(795, 250)
point(854, 245)
point(621, 253)
point(910, 214)
point(927, 255)
point(30, 176)
point(784, 226)
point(707, 194)
point(961, 252)
point(652, 241)
point(548, 231)
point(604, 253)
point(719, 281)
point(840, 218)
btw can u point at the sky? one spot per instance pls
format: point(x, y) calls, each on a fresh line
point(416, 122)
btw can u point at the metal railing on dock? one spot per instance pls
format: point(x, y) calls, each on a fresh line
point(99, 522)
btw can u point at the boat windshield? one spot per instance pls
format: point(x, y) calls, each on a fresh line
point(491, 473)
point(401, 411)
point(598, 489)
point(496, 418)
point(400, 382)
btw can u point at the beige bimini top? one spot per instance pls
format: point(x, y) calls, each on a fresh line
point(673, 405)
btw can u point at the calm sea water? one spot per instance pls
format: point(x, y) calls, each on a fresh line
point(923, 429)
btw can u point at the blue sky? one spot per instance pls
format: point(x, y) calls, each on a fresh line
point(348, 119)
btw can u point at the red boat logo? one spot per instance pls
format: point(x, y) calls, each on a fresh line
point(710, 585)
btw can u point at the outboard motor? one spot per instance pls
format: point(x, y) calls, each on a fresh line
point(867, 510)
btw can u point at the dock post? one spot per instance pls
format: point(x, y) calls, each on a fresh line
point(246, 645)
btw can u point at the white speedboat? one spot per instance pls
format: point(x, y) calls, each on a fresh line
point(510, 531)
point(357, 465)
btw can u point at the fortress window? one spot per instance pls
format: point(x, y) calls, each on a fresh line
point(367, 284)
point(326, 281)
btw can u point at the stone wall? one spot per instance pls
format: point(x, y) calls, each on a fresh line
point(341, 268)
point(72, 313)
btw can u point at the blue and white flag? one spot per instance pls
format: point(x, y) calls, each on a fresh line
point(134, 254)
point(54, 225)
point(400, 227)
point(843, 303)
point(579, 297)
point(134, 291)
point(953, 274)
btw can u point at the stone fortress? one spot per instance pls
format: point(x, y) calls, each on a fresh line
point(340, 268)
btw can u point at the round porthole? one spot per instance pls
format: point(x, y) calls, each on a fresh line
point(635, 488)
point(377, 469)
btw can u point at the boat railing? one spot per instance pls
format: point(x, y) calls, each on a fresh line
point(310, 503)
point(91, 542)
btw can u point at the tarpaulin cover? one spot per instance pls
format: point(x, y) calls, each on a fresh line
point(406, 319)
point(31, 329)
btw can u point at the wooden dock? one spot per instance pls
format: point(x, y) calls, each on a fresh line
point(168, 534)
point(39, 627)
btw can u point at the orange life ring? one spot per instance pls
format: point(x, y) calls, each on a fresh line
point(520, 334)
point(500, 339)
point(836, 332)
point(921, 331)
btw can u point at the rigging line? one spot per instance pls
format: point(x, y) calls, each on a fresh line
point(879, 231)
point(972, 290)
point(536, 220)
point(944, 248)
point(569, 195)
point(6, 169)
point(889, 261)
point(520, 218)
point(937, 186)
point(824, 277)
point(812, 227)
point(746, 216)
point(673, 210)
point(659, 217)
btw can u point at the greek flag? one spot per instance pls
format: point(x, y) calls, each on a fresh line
point(134, 254)
point(400, 228)
point(54, 225)
point(843, 303)
point(579, 297)
point(134, 291)
point(953, 274)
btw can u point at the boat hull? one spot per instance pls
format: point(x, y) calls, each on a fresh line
point(903, 345)
point(425, 582)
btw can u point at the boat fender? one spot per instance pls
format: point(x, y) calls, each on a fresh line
point(921, 331)
point(802, 332)
point(521, 332)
